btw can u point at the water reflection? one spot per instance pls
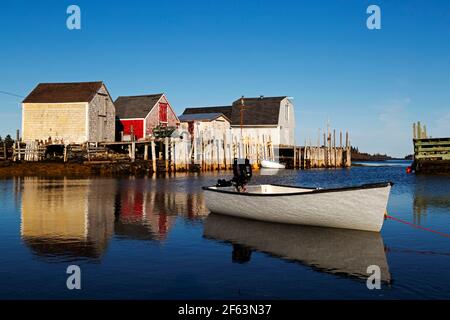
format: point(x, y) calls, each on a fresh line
point(77, 218)
point(430, 193)
point(337, 251)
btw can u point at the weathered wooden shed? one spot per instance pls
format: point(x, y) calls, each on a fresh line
point(269, 117)
point(68, 113)
point(139, 115)
point(263, 118)
point(211, 139)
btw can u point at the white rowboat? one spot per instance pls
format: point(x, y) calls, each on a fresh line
point(272, 164)
point(360, 208)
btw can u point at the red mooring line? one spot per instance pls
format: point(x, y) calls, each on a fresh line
point(418, 227)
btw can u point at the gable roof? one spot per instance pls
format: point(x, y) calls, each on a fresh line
point(257, 111)
point(225, 110)
point(202, 116)
point(136, 106)
point(64, 92)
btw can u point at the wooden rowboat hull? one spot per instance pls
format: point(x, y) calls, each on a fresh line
point(359, 208)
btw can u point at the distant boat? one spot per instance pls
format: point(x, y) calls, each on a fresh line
point(330, 250)
point(272, 164)
point(269, 172)
point(362, 207)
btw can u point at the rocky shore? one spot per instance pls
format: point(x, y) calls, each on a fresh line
point(58, 169)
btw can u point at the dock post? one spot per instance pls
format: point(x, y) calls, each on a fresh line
point(65, 153)
point(295, 157)
point(186, 155)
point(173, 161)
point(419, 130)
point(334, 148)
point(225, 151)
point(153, 156)
point(133, 151)
point(146, 152)
point(166, 153)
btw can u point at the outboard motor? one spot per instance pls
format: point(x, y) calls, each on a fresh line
point(242, 173)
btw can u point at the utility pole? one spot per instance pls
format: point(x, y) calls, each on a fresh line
point(241, 114)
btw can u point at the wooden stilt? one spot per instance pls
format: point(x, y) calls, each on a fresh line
point(153, 156)
point(146, 152)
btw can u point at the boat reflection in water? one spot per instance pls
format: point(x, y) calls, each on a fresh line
point(70, 219)
point(331, 250)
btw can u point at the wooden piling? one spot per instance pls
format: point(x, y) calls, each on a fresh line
point(65, 152)
point(133, 151)
point(166, 153)
point(146, 152)
point(153, 150)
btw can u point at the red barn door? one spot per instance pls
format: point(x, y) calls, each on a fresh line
point(136, 125)
point(163, 113)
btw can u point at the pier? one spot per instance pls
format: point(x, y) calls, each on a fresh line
point(431, 155)
point(182, 154)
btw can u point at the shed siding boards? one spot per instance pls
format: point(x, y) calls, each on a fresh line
point(102, 117)
point(65, 121)
point(69, 113)
point(212, 138)
point(260, 135)
point(287, 122)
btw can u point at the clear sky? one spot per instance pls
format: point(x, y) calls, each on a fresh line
point(374, 83)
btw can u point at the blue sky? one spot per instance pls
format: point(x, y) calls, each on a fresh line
point(373, 83)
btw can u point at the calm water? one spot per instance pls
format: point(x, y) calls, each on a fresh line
point(153, 239)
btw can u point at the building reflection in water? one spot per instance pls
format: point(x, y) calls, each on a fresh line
point(69, 218)
point(430, 193)
point(336, 251)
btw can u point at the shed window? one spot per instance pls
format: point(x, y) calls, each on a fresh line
point(286, 112)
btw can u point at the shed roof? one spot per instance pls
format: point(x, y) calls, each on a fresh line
point(225, 110)
point(64, 92)
point(201, 116)
point(257, 111)
point(136, 106)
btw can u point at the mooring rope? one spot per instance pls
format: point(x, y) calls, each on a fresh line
point(418, 227)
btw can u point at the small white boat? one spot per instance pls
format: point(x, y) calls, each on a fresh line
point(360, 208)
point(272, 164)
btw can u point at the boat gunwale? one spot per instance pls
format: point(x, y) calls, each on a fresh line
point(313, 190)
